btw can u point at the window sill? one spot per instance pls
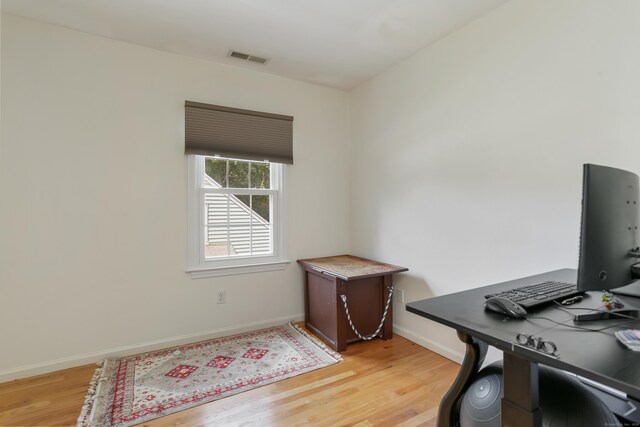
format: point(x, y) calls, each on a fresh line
point(203, 272)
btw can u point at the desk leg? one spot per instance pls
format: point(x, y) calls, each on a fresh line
point(520, 404)
point(474, 355)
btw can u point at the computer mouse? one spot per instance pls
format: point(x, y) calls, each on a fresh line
point(505, 306)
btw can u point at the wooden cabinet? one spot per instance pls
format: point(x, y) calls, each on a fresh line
point(364, 282)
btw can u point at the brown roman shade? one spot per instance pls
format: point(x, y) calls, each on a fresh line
point(243, 134)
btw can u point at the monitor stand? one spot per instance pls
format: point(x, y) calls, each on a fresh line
point(632, 289)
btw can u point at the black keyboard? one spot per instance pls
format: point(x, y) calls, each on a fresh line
point(539, 294)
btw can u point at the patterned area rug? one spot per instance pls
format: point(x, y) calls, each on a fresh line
point(138, 388)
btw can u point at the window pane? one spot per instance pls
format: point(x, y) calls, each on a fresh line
point(215, 169)
point(217, 243)
point(243, 200)
point(238, 174)
point(239, 212)
point(260, 175)
point(260, 238)
point(240, 237)
point(216, 209)
point(261, 208)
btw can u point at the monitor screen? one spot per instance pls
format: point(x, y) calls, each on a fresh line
point(609, 231)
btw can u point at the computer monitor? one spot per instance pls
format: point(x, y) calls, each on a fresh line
point(609, 238)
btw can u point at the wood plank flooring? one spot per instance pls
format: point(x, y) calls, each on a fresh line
point(379, 383)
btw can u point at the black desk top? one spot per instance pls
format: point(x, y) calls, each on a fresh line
point(594, 355)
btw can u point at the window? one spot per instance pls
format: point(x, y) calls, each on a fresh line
point(235, 216)
point(236, 206)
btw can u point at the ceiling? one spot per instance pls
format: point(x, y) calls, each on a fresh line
point(337, 43)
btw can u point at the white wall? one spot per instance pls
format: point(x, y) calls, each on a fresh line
point(466, 158)
point(465, 167)
point(93, 190)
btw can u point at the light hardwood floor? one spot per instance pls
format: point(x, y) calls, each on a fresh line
point(379, 383)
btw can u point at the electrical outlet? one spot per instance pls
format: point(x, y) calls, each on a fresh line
point(400, 295)
point(222, 297)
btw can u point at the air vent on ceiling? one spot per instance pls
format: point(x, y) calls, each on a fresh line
point(247, 57)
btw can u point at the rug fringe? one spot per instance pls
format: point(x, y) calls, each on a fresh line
point(317, 342)
point(87, 411)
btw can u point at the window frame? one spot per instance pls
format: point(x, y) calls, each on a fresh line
point(199, 266)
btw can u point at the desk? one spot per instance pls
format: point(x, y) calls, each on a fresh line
point(594, 355)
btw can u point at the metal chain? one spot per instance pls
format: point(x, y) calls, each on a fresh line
point(384, 316)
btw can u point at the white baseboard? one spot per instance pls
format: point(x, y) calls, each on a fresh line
point(442, 350)
point(84, 359)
